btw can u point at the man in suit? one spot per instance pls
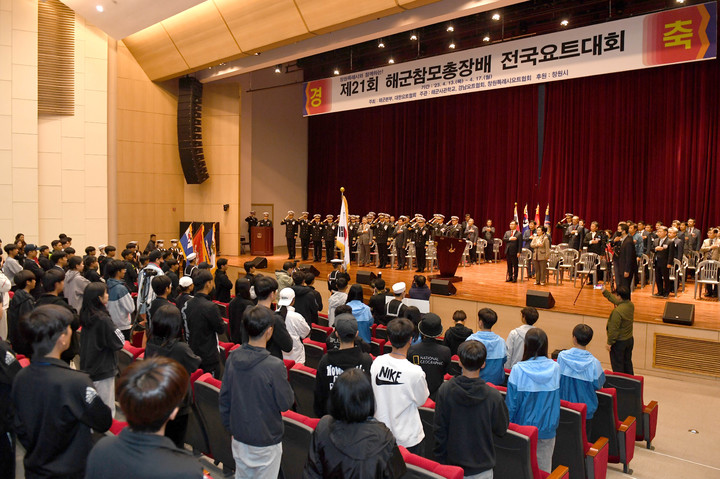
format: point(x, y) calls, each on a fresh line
point(471, 234)
point(318, 229)
point(676, 246)
point(564, 225)
point(626, 257)
point(662, 255)
point(402, 236)
point(422, 234)
point(364, 240)
point(578, 235)
point(513, 243)
point(693, 235)
point(291, 231)
point(488, 234)
point(304, 230)
point(594, 241)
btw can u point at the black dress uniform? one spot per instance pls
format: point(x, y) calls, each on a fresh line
point(304, 233)
point(291, 231)
point(382, 238)
point(266, 223)
point(421, 236)
point(251, 221)
point(329, 235)
point(402, 236)
point(318, 231)
point(454, 231)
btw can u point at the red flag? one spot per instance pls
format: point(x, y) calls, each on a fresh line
point(198, 244)
point(537, 215)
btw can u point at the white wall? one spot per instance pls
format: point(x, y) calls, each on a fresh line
point(279, 149)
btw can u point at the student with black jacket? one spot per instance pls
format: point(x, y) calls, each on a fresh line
point(305, 302)
point(473, 411)
point(203, 323)
point(377, 300)
point(280, 341)
point(162, 287)
point(165, 341)
point(21, 304)
point(99, 342)
point(237, 307)
point(432, 356)
point(9, 367)
point(223, 285)
point(457, 334)
point(53, 284)
point(55, 406)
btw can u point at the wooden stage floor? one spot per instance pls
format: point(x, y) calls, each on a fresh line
point(486, 283)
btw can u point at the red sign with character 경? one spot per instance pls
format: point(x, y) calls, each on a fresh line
point(318, 97)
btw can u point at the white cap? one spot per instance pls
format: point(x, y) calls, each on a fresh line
point(287, 295)
point(133, 242)
point(186, 281)
point(398, 288)
point(291, 212)
point(173, 241)
point(191, 256)
point(102, 246)
point(336, 261)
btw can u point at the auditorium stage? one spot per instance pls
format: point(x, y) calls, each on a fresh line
point(486, 283)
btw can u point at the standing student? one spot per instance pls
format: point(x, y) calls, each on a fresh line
point(433, 357)
point(400, 387)
point(456, 335)
point(21, 304)
point(280, 341)
point(297, 327)
point(223, 285)
point(53, 284)
point(149, 393)
point(237, 307)
point(493, 372)
point(255, 391)
point(99, 341)
point(516, 339)
point(55, 406)
point(533, 394)
point(162, 287)
point(165, 341)
point(468, 414)
point(203, 323)
point(120, 302)
point(337, 298)
point(9, 367)
point(361, 311)
point(75, 282)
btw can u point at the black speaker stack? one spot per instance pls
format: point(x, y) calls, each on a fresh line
point(189, 128)
point(260, 263)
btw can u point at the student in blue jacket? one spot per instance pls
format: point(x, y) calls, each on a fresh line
point(533, 394)
point(581, 373)
point(494, 371)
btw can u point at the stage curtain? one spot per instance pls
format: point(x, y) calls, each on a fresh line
point(641, 145)
point(474, 153)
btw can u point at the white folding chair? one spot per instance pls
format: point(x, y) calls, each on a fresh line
point(706, 273)
point(587, 265)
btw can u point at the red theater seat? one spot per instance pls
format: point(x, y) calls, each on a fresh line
point(583, 459)
point(421, 467)
point(630, 402)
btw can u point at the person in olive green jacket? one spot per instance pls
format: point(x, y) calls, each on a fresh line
point(620, 330)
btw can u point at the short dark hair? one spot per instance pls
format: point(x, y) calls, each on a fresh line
point(89, 261)
point(10, 247)
point(149, 391)
point(54, 243)
point(110, 248)
point(43, 248)
point(74, 262)
point(420, 280)
point(51, 278)
point(379, 284)
point(583, 334)
point(43, 326)
point(536, 344)
point(487, 317)
point(126, 252)
point(459, 315)
point(351, 398)
point(89, 249)
point(309, 278)
point(298, 278)
point(530, 315)
point(202, 278)
point(623, 292)
point(160, 284)
point(155, 255)
point(342, 309)
point(69, 250)
point(624, 227)
point(242, 288)
point(57, 256)
point(341, 282)
point(166, 324)
point(472, 355)
point(171, 262)
point(113, 266)
point(22, 277)
point(400, 332)
point(248, 265)
point(355, 293)
point(264, 286)
point(257, 319)
point(222, 262)
point(287, 265)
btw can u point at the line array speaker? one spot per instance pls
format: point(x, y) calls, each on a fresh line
point(189, 129)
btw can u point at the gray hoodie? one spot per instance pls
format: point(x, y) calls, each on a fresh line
point(75, 284)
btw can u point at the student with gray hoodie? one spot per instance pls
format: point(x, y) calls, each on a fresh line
point(120, 302)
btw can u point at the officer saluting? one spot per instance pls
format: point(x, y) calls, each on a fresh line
point(421, 235)
point(382, 239)
point(318, 229)
point(251, 221)
point(265, 221)
point(291, 231)
point(402, 236)
point(329, 237)
point(304, 233)
point(454, 230)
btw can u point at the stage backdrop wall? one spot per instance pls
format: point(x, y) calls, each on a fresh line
point(642, 145)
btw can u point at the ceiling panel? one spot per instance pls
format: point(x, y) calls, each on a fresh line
point(326, 15)
point(201, 35)
point(263, 23)
point(121, 18)
point(156, 53)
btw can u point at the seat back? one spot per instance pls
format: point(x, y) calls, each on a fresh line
point(570, 441)
point(554, 260)
point(604, 425)
point(516, 453)
point(296, 443)
point(124, 359)
point(455, 368)
point(314, 350)
point(195, 435)
point(497, 242)
point(427, 416)
point(629, 390)
point(589, 261)
point(302, 380)
point(569, 256)
point(320, 333)
point(708, 271)
point(376, 346)
point(207, 399)
point(381, 332)
point(419, 467)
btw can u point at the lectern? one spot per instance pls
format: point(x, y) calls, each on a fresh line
point(261, 241)
point(449, 254)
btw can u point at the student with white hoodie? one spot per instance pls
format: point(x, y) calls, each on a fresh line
point(296, 325)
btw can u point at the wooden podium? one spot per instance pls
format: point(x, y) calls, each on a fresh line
point(261, 241)
point(449, 254)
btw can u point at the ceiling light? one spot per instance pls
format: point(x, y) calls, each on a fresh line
point(452, 45)
point(256, 53)
point(486, 38)
point(450, 28)
point(680, 1)
point(391, 61)
point(381, 44)
point(564, 23)
point(99, 8)
point(496, 16)
point(278, 69)
point(336, 72)
point(413, 37)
